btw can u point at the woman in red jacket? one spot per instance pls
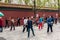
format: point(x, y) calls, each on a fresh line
point(1, 28)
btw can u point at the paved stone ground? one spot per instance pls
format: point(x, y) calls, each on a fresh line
point(39, 34)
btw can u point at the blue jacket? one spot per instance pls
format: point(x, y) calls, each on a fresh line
point(40, 20)
point(49, 20)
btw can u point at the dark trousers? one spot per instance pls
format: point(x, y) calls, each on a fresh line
point(24, 27)
point(1, 29)
point(49, 26)
point(59, 20)
point(55, 21)
point(7, 25)
point(29, 31)
point(18, 23)
point(12, 26)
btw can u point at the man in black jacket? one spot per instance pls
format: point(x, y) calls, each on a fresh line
point(30, 26)
point(6, 23)
point(18, 21)
point(50, 24)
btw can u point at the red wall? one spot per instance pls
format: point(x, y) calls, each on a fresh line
point(19, 13)
point(15, 14)
point(47, 13)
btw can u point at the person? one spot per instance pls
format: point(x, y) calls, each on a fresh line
point(40, 25)
point(46, 19)
point(55, 20)
point(12, 23)
point(1, 23)
point(37, 20)
point(49, 23)
point(18, 21)
point(6, 23)
point(25, 23)
point(59, 19)
point(30, 26)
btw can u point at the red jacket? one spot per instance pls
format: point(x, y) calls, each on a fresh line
point(1, 22)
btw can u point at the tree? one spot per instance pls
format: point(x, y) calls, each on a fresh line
point(26, 2)
point(6, 1)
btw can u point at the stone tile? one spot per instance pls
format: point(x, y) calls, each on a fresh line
point(40, 34)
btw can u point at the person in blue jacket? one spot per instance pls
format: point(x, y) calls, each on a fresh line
point(50, 23)
point(30, 26)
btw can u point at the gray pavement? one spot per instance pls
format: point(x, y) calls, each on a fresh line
point(39, 34)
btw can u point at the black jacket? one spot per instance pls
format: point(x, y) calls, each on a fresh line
point(29, 23)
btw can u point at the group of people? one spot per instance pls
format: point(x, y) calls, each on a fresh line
point(12, 22)
point(50, 20)
point(28, 23)
point(9, 22)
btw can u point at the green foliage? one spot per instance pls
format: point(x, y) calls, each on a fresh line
point(40, 3)
point(59, 7)
point(59, 4)
point(6, 1)
point(20, 1)
point(26, 2)
point(0, 0)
